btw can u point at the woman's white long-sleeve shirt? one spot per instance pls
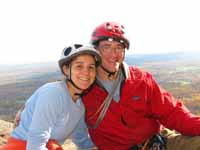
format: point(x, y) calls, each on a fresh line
point(50, 113)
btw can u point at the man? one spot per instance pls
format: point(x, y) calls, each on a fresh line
point(126, 107)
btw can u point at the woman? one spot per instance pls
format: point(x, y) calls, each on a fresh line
point(53, 112)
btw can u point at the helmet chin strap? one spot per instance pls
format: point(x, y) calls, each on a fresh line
point(109, 72)
point(72, 82)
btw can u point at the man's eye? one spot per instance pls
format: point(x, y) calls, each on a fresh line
point(106, 47)
point(120, 47)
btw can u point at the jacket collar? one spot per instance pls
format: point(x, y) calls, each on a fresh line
point(125, 70)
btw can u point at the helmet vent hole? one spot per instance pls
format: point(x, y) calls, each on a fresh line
point(67, 51)
point(77, 45)
point(108, 27)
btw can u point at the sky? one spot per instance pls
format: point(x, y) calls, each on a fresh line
point(37, 31)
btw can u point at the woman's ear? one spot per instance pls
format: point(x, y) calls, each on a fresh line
point(65, 69)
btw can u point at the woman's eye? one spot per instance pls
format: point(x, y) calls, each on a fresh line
point(78, 67)
point(92, 68)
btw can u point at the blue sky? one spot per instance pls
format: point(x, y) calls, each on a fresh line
point(37, 31)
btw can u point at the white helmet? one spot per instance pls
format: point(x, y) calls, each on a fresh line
point(75, 50)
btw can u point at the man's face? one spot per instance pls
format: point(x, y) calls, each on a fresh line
point(112, 54)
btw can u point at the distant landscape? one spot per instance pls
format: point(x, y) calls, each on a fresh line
point(20, 81)
point(178, 72)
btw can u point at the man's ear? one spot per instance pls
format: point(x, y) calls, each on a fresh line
point(65, 69)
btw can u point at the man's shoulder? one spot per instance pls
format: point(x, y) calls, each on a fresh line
point(138, 73)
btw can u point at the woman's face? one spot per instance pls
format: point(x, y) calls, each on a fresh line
point(83, 71)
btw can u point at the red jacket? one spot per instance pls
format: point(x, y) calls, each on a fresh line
point(142, 108)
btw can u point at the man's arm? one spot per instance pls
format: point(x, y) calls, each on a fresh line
point(172, 113)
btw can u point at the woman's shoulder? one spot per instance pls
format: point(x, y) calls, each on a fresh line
point(57, 85)
point(52, 93)
point(52, 89)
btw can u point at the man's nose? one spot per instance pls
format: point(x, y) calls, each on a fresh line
point(113, 51)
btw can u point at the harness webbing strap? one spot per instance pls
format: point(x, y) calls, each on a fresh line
point(107, 102)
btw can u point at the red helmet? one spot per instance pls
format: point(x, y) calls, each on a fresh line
point(109, 30)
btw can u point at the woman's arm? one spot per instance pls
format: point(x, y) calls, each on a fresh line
point(44, 118)
point(81, 138)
